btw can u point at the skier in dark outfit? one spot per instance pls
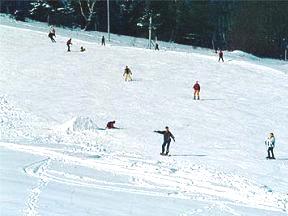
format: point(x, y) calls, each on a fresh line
point(110, 125)
point(103, 41)
point(69, 43)
point(156, 46)
point(221, 56)
point(167, 139)
point(52, 33)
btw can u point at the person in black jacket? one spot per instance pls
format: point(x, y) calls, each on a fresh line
point(167, 139)
point(156, 46)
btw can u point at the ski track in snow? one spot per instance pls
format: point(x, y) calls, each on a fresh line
point(37, 169)
point(147, 178)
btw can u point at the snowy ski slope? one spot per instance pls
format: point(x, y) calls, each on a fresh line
point(55, 159)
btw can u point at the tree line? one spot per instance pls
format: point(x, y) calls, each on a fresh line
point(257, 27)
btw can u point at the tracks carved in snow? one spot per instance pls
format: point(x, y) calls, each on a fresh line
point(38, 170)
point(151, 178)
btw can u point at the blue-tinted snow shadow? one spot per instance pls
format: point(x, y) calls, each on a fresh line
point(101, 128)
point(137, 80)
point(282, 159)
point(189, 155)
point(95, 156)
point(211, 99)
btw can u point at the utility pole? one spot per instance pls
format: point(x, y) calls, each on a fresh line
point(150, 31)
point(108, 19)
point(286, 53)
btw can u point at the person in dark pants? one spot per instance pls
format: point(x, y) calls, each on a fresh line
point(156, 46)
point(270, 143)
point(221, 56)
point(167, 140)
point(103, 41)
point(69, 42)
point(51, 35)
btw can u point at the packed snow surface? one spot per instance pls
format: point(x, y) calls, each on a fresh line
point(57, 158)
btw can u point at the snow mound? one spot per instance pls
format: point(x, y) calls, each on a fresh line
point(242, 54)
point(79, 123)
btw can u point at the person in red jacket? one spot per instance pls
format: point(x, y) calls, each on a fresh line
point(221, 56)
point(110, 125)
point(69, 42)
point(196, 88)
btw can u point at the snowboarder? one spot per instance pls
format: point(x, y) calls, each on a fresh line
point(52, 34)
point(221, 56)
point(110, 125)
point(270, 143)
point(103, 41)
point(127, 74)
point(156, 46)
point(82, 49)
point(167, 139)
point(196, 88)
point(69, 42)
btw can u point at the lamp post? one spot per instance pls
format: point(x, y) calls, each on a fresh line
point(108, 19)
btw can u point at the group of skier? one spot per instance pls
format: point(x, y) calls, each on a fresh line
point(168, 136)
point(52, 34)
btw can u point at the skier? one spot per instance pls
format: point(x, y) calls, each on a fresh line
point(82, 49)
point(103, 41)
point(69, 42)
point(52, 34)
point(221, 56)
point(270, 143)
point(196, 88)
point(167, 139)
point(110, 125)
point(127, 74)
point(156, 46)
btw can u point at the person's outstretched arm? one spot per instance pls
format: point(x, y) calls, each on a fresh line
point(160, 132)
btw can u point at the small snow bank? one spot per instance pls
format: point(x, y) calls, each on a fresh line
point(79, 123)
point(274, 65)
point(245, 55)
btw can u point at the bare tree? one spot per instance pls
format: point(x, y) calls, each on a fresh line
point(87, 11)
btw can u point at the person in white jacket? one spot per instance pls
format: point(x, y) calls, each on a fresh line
point(270, 143)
